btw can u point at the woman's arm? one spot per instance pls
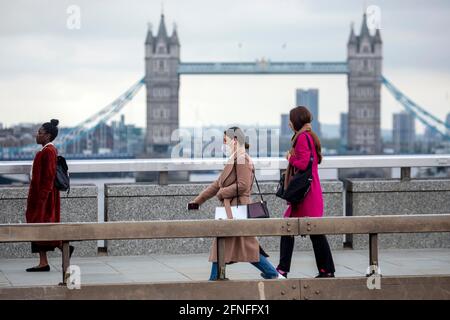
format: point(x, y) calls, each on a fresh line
point(300, 159)
point(208, 193)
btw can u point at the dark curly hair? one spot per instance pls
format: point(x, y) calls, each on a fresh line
point(51, 128)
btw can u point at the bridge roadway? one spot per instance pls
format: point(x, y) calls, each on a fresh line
point(123, 270)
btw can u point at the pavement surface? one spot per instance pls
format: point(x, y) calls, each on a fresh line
point(170, 268)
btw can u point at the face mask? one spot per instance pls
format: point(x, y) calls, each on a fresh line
point(226, 150)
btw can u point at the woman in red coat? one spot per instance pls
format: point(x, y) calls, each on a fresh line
point(43, 204)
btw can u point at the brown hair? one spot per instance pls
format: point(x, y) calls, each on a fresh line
point(300, 116)
point(236, 132)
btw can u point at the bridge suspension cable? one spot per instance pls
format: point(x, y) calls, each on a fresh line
point(102, 116)
point(105, 114)
point(425, 117)
point(86, 126)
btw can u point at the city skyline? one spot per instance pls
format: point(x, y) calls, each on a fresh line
point(310, 98)
point(80, 100)
point(403, 134)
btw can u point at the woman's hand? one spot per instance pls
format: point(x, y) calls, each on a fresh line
point(288, 155)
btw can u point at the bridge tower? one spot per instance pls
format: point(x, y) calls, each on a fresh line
point(162, 57)
point(364, 60)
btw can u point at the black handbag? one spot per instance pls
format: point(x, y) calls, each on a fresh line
point(258, 209)
point(299, 184)
point(62, 179)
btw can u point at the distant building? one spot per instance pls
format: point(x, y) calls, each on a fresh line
point(285, 130)
point(432, 136)
point(404, 132)
point(135, 140)
point(448, 123)
point(119, 130)
point(364, 60)
point(344, 130)
point(162, 81)
point(310, 99)
point(431, 140)
point(127, 138)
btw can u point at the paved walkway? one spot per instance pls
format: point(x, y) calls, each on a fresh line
point(163, 268)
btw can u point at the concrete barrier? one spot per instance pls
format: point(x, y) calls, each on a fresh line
point(79, 206)
point(136, 202)
point(399, 197)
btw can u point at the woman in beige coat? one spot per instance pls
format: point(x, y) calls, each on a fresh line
point(225, 188)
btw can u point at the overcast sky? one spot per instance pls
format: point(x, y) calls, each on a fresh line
point(49, 71)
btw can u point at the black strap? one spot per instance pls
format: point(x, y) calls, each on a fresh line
point(254, 179)
point(257, 184)
point(237, 186)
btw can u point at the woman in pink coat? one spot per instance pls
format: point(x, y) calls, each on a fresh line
point(306, 143)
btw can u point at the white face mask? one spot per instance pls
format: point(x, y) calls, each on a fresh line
point(226, 150)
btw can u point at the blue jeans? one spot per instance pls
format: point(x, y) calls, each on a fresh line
point(264, 265)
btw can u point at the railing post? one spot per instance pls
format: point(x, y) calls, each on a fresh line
point(348, 212)
point(373, 253)
point(65, 260)
point(405, 173)
point(221, 258)
point(163, 178)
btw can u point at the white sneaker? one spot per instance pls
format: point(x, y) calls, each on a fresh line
point(281, 277)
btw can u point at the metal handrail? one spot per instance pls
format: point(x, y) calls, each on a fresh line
point(212, 164)
point(371, 225)
point(168, 229)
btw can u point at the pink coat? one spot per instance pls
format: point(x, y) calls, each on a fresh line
point(312, 205)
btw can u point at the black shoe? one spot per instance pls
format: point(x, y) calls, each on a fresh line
point(283, 273)
point(39, 269)
point(325, 275)
point(71, 248)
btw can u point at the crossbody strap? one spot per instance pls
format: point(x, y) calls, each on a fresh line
point(254, 179)
point(237, 185)
point(257, 184)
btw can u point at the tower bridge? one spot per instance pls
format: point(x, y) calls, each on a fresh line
point(363, 67)
point(163, 67)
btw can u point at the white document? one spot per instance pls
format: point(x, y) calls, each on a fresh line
point(238, 212)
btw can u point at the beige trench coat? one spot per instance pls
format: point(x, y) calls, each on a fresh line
point(237, 249)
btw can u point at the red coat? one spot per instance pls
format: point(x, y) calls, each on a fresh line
point(43, 204)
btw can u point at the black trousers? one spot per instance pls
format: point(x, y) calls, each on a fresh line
point(322, 252)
